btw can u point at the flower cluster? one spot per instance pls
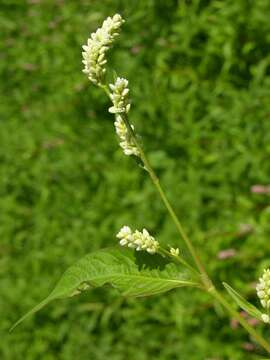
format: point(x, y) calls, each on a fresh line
point(265, 318)
point(97, 46)
point(126, 142)
point(119, 96)
point(263, 292)
point(263, 289)
point(137, 240)
point(120, 100)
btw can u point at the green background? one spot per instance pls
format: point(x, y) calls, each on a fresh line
point(199, 74)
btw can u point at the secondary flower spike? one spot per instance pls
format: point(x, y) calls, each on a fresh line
point(137, 240)
point(263, 289)
point(121, 105)
point(126, 143)
point(94, 54)
point(119, 96)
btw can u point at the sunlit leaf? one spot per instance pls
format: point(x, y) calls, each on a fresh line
point(132, 273)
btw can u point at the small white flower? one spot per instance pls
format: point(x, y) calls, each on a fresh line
point(263, 289)
point(124, 235)
point(97, 45)
point(265, 318)
point(125, 231)
point(174, 252)
point(137, 240)
point(126, 143)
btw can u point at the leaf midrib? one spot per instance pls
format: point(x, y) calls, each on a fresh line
point(141, 277)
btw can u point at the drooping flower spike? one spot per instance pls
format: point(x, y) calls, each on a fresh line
point(94, 60)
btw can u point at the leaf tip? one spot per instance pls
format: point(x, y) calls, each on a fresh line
point(29, 313)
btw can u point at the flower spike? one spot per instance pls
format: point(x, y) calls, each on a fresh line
point(94, 53)
point(137, 240)
point(263, 289)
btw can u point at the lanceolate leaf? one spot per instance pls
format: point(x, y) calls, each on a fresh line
point(132, 273)
point(243, 303)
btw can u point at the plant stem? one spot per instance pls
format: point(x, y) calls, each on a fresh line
point(220, 298)
point(206, 281)
point(167, 204)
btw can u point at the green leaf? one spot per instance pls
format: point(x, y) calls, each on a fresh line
point(243, 303)
point(132, 273)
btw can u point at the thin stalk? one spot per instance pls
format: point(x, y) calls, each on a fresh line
point(106, 89)
point(208, 285)
point(167, 204)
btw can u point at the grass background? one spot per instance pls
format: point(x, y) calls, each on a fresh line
point(199, 75)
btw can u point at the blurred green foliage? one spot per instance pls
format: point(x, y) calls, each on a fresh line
point(199, 73)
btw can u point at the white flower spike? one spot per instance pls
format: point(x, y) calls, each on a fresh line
point(137, 240)
point(121, 106)
point(119, 96)
point(263, 289)
point(126, 142)
point(98, 44)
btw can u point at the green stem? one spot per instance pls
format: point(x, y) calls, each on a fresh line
point(167, 204)
point(208, 285)
point(106, 89)
point(220, 298)
point(206, 281)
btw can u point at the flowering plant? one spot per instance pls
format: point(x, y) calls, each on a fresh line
point(143, 266)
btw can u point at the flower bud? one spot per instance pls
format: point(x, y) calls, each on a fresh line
point(174, 252)
point(265, 318)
